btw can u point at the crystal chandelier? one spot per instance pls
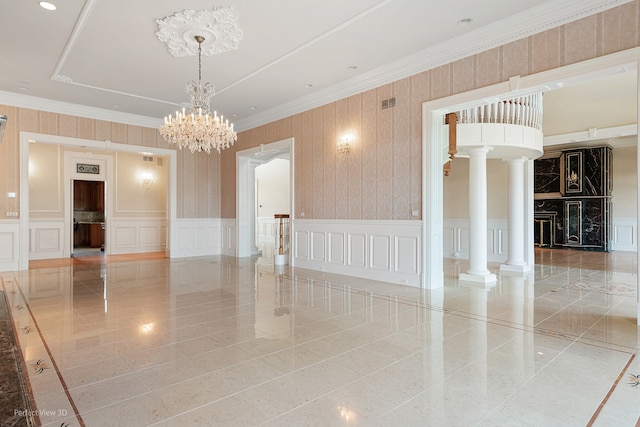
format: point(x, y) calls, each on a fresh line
point(198, 129)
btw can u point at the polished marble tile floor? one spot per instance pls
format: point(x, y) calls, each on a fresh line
point(121, 341)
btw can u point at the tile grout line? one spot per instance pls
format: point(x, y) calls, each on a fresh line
point(610, 392)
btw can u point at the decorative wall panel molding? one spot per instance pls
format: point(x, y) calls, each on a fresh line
point(228, 236)
point(198, 237)
point(9, 241)
point(46, 239)
point(625, 234)
point(456, 239)
point(136, 235)
point(388, 251)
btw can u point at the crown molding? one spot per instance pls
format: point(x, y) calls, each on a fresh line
point(43, 104)
point(548, 15)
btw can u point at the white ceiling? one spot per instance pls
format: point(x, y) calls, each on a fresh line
point(116, 68)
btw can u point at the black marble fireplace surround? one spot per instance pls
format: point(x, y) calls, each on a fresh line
point(573, 197)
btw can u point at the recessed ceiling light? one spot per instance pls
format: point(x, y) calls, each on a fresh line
point(47, 5)
point(116, 106)
point(253, 108)
point(308, 85)
point(465, 21)
point(23, 88)
point(352, 67)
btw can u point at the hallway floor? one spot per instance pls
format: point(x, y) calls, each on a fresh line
point(136, 341)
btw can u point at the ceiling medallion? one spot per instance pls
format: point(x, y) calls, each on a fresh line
point(218, 27)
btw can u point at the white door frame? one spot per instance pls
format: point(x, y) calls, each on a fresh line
point(106, 146)
point(433, 138)
point(246, 162)
point(69, 177)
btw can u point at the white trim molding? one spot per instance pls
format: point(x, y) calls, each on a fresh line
point(388, 251)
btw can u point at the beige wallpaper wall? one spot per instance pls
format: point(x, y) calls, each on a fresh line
point(131, 196)
point(381, 178)
point(197, 175)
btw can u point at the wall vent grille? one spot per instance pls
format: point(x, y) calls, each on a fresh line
point(388, 103)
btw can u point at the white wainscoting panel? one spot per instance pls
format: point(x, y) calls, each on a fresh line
point(625, 234)
point(318, 247)
point(407, 252)
point(456, 239)
point(136, 235)
point(336, 248)
point(198, 237)
point(380, 251)
point(266, 230)
point(302, 245)
point(266, 235)
point(228, 236)
point(9, 245)
point(388, 251)
point(46, 239)
point(357, 250)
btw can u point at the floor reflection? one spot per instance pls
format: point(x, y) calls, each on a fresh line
point(223, 340)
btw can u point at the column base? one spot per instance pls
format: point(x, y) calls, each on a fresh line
point(478, 278)
point(515, 268)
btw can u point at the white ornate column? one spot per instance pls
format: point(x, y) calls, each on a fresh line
point(478, 271)
point(516, 261)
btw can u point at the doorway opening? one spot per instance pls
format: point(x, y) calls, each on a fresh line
point(248, 223)
point(89, 220)
point(435, 139)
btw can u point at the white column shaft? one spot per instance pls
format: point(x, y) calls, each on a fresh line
point(478, 211)
point(516, 213)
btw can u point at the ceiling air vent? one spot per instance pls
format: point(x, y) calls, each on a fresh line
point(388, 103)
point(159, 161)
point(3, 124)
point(147, 158)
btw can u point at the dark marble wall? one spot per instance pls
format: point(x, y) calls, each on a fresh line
point(554, 206)
point(592, 165)
point(547, 173)
point(595, 176)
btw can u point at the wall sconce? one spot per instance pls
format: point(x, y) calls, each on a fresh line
point(147, 181)
point(344, 145)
